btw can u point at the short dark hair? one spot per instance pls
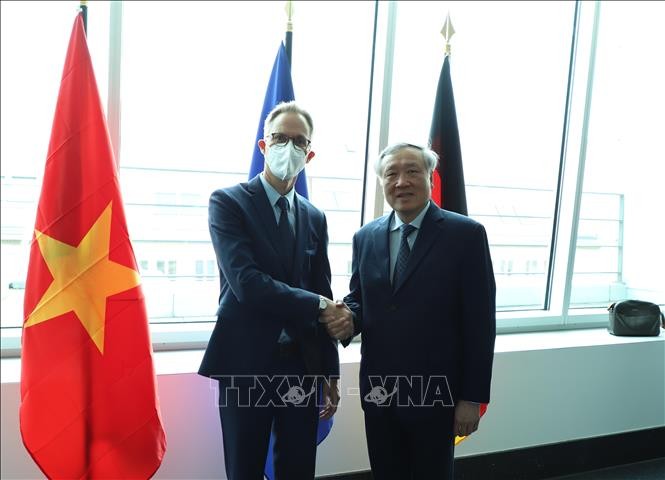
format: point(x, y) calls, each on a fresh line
point(287, 107)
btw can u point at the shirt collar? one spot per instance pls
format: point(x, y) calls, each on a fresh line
point(397, 222)
point(273, 195)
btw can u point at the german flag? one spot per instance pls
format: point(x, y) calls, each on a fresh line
point(448, 191)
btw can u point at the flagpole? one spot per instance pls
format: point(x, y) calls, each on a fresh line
point(448, 189)
point(288, 38)
point(86, 389)
point(301, 182)
point(84, 14)
point(447, 32)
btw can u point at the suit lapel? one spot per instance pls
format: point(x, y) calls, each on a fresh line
point(430, 229)
point(267, 216)
point(381, 246)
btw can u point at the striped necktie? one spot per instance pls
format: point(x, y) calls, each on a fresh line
point(403, 254)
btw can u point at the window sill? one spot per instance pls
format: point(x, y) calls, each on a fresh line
point(177, 362)
point(193, 334)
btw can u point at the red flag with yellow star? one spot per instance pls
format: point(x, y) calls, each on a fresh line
point(89, 405)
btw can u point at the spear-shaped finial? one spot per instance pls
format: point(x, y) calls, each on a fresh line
point(447, 31)
point(289, 16)
point(288, 36)
point(84, 11)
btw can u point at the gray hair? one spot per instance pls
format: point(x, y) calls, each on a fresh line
point(287, 107)
point(429, 156)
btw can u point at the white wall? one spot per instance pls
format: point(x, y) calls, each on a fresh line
point(546, 388)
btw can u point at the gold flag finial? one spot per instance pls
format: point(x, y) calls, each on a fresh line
point(448, 31)
point(84, 3)
point(289, 16)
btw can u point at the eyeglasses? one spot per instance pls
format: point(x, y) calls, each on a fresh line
point(300, 141)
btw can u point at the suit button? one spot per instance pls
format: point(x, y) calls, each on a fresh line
point(391, 307)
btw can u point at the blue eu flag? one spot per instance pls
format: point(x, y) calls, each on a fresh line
point(280, 89)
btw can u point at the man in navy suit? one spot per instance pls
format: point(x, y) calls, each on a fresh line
point(268, 349)
point(423, 294)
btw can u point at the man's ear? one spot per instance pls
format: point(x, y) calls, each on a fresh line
point(262, 146)
point(310, 155)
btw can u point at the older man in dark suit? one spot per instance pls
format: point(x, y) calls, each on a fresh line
point(268, 345)
point(423, 294)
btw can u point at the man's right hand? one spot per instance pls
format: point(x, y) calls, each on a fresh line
point(338, 320)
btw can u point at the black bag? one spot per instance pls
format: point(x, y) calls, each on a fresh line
point(634, 318)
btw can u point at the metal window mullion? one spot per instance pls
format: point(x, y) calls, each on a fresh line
point(547, 304)
point(620, 241)
point(581, 165)
point(386, 97)
point(115, 49)
point(363, 200)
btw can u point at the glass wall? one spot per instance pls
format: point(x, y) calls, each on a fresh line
point(191, 104)
point(34, 39)
point(193, 78)
point(620, 250)
point(509, 67)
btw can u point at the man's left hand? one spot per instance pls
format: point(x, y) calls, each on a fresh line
point(467, 417)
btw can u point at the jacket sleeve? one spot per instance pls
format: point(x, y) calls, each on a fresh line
point(321, 280)
point(321, 275)
point(354, 298)
point(478, 322)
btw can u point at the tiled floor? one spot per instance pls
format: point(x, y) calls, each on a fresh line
point(649, 470)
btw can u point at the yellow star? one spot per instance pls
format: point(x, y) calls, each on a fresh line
point(83, 277)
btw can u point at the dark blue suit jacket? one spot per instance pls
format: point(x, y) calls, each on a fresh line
point(258, 298)
point(440, 319)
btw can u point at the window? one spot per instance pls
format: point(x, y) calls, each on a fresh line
point(620, 251)
point(203, 138)
point(34, 41)
point(509, 68)
point(190, 107)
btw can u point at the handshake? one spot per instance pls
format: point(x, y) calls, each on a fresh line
point(337, 319)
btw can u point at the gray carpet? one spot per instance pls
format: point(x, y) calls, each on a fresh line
point(649, 470)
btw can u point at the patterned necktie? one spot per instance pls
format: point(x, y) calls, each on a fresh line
point(286, 237)
point(403, 254)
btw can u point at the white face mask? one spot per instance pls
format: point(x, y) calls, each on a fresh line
point(285, 161)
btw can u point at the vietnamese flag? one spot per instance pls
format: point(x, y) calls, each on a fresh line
point(448, 190)
point(89, 405)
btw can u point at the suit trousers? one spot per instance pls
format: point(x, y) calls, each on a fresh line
point(410, 447)
point(281, 400)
